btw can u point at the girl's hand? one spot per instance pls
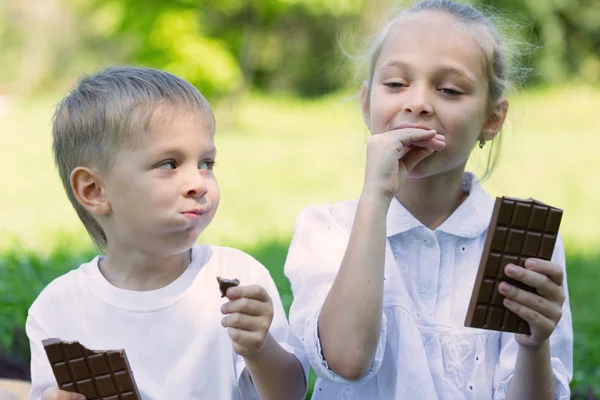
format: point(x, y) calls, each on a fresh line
point(56, 394)
point(392, 155)
point(542, 310)
point(249, 314)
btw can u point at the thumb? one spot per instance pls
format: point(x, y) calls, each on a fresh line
point(56, 394)
point(415, 156)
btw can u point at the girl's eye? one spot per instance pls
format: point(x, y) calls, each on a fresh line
point(449, 91)
point(169, 164)
point(394, 85)
point(206, 165)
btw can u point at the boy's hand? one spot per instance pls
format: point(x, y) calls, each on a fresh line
point(56, 394)
point(542, 310)
point(249, 314)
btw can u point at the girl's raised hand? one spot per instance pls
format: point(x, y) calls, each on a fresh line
point(392, 155)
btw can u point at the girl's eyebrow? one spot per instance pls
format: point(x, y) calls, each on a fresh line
point(442, 70)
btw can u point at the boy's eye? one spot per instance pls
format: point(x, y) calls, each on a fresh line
point(169, 164)
point(206, 165)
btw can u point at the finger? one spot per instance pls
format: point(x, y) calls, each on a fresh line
point(544, 285)
point(56, 394)
point(552, 270)
point(415, 156)
point(246, 322)
point(417, 137)
point(535, 320)
point(437, 143)
point(256, 292)
point(245, 305)
point(245, 338)
point(534, 301)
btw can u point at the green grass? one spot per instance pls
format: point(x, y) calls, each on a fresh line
point(277, 155)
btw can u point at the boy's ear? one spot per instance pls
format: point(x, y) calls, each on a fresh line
point(87, 188)
point(495, 120)
point(365, 104)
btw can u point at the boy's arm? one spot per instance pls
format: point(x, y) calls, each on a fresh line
point(273, 358)
point(276, 373)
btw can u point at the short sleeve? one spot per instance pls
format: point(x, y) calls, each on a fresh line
point(42, 376)
point(561, 346)
point(281, 333)
point(320, 238)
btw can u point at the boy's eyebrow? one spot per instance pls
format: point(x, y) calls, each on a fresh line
point(212, 150)
point(442, 70)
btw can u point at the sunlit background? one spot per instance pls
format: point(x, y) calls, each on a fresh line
point(289, 129)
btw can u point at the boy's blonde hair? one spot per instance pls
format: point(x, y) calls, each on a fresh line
point(493, 47)
point(111, 109)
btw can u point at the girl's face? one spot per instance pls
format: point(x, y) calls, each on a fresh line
point(430, 74)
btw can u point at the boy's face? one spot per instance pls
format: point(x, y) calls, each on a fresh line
point(162, 191)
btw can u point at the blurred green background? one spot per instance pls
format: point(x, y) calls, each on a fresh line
point(289, 129)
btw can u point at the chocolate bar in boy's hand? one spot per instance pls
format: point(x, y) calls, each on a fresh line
point(519, 229)
point(225, 284)
point(98, 375)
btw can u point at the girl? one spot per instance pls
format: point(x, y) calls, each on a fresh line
point(382, 284)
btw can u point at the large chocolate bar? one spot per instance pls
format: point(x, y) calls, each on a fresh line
point(519, 229)
point(98, 375)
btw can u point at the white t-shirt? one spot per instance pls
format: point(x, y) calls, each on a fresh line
point(172, 336)
point(424, 350)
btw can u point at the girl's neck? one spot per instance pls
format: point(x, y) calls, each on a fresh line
point(433, 199)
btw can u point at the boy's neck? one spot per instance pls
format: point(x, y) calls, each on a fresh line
point(131, 270)
point(433, 199)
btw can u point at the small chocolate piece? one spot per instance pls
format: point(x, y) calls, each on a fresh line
point(519, 229)
point(225, 284)
point(98, 375)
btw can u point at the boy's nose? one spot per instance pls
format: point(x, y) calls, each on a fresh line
point(195, 185)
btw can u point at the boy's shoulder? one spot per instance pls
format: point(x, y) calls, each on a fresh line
point(66, 287)
point(230, 262)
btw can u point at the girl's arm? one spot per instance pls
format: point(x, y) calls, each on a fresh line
point(349, 324)
point(350, 321)
point(533, 377)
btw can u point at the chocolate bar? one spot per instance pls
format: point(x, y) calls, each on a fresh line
point(98, 375)
point(519, 229)
point(225, 284)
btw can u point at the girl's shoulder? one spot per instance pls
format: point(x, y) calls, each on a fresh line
point(327, 216)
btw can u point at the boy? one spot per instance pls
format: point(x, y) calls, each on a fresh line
point(135, 152)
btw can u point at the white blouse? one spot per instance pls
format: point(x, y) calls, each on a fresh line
point(424, 350)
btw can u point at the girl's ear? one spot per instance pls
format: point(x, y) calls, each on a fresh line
point(495, 121)
point(88, 190)
point(365, 103)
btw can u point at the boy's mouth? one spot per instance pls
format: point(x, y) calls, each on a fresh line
point(193, 214)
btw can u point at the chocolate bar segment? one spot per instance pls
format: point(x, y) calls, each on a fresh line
point(98, 375)
point(225, 284)
point(519, 229)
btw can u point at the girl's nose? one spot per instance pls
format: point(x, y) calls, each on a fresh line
point(418, 103)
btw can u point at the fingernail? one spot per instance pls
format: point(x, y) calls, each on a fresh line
point(504, 287)
point(508, 302)
point(510, 269)
point(529, 263)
